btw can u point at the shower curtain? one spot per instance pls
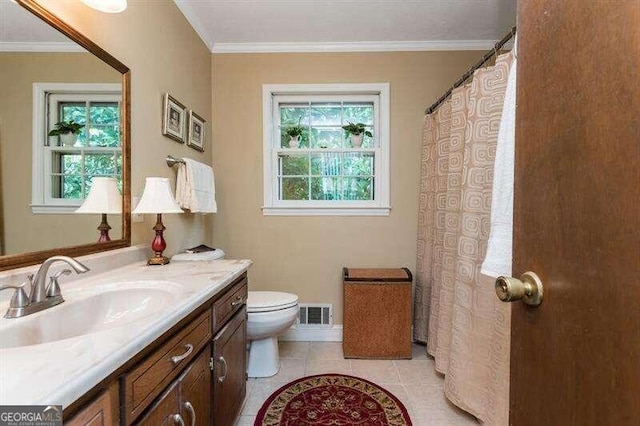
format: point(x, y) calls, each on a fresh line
point(457, 313)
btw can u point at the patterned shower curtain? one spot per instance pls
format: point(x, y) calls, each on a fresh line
point(457, 313)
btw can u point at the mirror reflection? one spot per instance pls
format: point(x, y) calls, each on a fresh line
point(60, 128)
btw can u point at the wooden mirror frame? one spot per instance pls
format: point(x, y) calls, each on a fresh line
point(26, 259)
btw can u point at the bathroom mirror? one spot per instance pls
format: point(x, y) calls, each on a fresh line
point(51, 77)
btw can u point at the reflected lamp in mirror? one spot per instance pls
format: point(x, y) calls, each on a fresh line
point(158, 199)
point(104, 198)
point(107, 6)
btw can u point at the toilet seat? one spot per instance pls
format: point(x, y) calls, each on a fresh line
point(268, 301)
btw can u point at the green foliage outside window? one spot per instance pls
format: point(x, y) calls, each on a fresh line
point(73, 167)
point(330, 175)
point(327, 176)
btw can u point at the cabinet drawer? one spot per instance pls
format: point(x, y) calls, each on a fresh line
point(227, 305)
point(149, 378)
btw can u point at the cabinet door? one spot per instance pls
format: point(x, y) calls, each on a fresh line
point(195, 392)
point(165, 411)
point(229, 354)
point(103, 411)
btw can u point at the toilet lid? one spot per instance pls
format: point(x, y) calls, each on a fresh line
point(264, 301)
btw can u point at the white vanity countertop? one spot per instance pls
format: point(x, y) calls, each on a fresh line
point(59, 372)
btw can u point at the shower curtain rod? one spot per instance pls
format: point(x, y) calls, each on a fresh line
point(471, 70)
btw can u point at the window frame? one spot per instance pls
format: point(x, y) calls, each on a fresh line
point(272, 96)
point(42, 152)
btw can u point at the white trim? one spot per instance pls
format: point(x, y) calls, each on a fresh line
point(325, 334)
point(194, 21)
point(379, 206)
point(39, 209)
point(37, 46)
point(358, 46)
point(328, 89)
point(329, 211)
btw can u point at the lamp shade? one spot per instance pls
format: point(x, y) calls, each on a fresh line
point(103, 197)
point(107, 6)
point(157, 198)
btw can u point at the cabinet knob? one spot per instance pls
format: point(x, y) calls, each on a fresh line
point(224, 364)
point(192, 412)
point(239, 301)
point(177, 419)
point(176, 359)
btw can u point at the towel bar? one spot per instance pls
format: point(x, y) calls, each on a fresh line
point(172, 161)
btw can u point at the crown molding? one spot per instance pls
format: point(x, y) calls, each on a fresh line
point(8, 46)
point(364, 46)
point(194, 21)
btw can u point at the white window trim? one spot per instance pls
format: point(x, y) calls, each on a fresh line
point(40, 203)
point(379, 206)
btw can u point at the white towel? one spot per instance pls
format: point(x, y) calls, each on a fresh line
point(499, 249)
point(195, 187)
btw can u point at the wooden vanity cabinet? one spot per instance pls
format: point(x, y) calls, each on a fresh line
point(103, 411)
point(194, 374)
point(187, 400)
point(229, 373)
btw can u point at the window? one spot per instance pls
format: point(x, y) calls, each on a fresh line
point(62, 174)
point(327, 173)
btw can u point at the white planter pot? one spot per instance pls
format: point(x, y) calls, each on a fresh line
point(294, 141)
point(68, 139)
point(356, 140)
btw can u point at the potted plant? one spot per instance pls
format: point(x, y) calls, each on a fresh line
point(294, 133)
point(356, 132)
point(68, 132)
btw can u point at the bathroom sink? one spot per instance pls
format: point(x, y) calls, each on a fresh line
point(89, 311)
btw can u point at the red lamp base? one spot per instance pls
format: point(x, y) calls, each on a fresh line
point(104, 230)
point(158, 244)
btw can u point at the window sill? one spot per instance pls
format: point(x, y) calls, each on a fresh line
point(326, 211)
point(44, 209)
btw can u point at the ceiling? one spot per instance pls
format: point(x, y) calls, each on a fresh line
point(348, 25)
point(21, 31)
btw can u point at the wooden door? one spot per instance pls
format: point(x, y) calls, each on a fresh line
point(195, 392)
point(165, 410)
point(102, 411)
point(575, 359)
point(229, 353)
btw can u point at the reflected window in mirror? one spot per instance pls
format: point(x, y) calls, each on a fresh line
point(65, 165)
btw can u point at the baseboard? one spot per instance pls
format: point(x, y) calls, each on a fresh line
point(320, 334)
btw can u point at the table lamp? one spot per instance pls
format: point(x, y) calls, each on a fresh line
point(104, 198)
point(157, 198)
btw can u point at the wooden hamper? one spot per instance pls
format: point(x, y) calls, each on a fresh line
point(377, 313)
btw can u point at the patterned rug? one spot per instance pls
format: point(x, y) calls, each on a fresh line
point(332, 399)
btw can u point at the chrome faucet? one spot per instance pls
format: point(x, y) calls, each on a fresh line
point(41, 297)
point(38, 287)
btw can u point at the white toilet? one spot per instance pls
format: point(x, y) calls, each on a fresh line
point(269, 313)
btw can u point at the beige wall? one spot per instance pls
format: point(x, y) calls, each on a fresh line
point(23, 230)
point(165, 55)
point(305, 255)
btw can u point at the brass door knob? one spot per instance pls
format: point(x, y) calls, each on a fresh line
point(528, 289)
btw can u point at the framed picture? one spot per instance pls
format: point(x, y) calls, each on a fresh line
point(196, 131)
point(174, 119)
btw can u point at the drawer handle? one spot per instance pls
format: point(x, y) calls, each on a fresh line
point(224, 364)
point(192, 412)
point(176, 359)
point(177, 419)
point(239, 301)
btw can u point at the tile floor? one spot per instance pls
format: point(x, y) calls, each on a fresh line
point(414, 381)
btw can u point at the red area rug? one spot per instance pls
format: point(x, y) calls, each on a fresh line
point(332, 399)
